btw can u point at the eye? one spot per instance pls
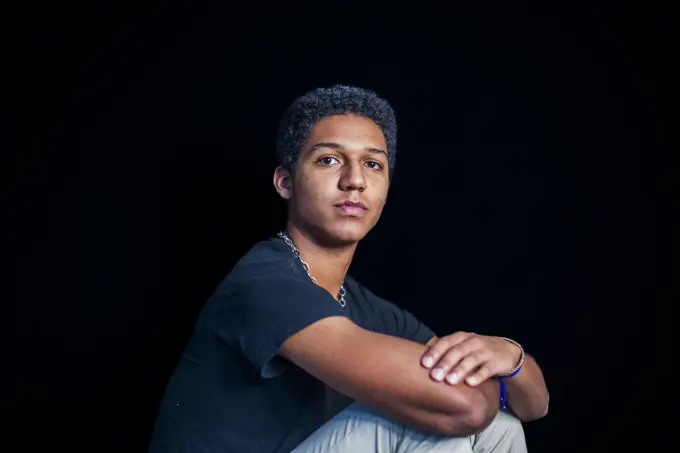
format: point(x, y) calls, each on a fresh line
point(328, 160)
point(375, 165)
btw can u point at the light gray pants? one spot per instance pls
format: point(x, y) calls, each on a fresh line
point(361, 429)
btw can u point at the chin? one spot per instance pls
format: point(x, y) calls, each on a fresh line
point(347, 233)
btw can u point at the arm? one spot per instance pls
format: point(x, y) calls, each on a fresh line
point(476, 358)
point(527, 393)
point(378, 370)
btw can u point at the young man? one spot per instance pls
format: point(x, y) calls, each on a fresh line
point(292, 354)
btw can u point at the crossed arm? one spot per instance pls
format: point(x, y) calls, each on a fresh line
point(384, 371)
point(470, 358)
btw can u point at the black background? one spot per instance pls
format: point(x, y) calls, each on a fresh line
point(532, 149)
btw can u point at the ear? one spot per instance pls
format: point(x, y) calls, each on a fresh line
point(283, 182)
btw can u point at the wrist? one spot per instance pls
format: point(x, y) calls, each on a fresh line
point(518, 354)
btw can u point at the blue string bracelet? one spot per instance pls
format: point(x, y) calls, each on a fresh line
point(509, 374)
point(501, 383)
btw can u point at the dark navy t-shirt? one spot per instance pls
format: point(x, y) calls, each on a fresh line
point(230, 391)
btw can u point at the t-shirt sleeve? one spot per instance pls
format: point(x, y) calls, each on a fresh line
point(256, 315)
point(397, 321)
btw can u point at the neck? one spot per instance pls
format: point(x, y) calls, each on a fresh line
point(328, 265)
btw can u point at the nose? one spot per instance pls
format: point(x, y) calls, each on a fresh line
point(353, 178)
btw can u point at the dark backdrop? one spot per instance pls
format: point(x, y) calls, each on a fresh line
point(524, 201)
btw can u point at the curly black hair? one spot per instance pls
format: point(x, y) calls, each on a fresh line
point(320, 103)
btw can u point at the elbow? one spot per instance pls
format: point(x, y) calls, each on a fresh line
point(536, 411)
point(541, 410)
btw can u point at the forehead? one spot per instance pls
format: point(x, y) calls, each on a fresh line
point(349, 131)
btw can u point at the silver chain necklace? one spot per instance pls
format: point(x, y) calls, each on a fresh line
point(305, 266)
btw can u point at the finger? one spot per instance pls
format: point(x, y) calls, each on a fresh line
point(482, 374)
point(440, 348)
point(469, 363)
point(451, 358)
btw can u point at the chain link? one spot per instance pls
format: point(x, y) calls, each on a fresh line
point(305, 266)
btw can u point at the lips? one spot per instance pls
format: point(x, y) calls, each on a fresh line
point(352, 204)
point(352, 208)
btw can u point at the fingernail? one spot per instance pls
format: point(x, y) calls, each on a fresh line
point(452, 378)
point(428, 362)
point(438, 374)
point(472, 380)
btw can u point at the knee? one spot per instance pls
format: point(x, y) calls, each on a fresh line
point(508, 420)
point(508, 423)
point(505, 433)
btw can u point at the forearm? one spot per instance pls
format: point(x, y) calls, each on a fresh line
point(381, 371)
point(527, 394)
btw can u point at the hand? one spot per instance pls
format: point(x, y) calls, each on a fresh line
point(471, 357)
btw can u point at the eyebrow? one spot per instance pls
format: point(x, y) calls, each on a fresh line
point(333, 145)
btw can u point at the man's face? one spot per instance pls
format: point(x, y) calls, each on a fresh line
point(341, 180)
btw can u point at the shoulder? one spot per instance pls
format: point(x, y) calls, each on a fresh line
point(267, 274)
point(265, 259)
